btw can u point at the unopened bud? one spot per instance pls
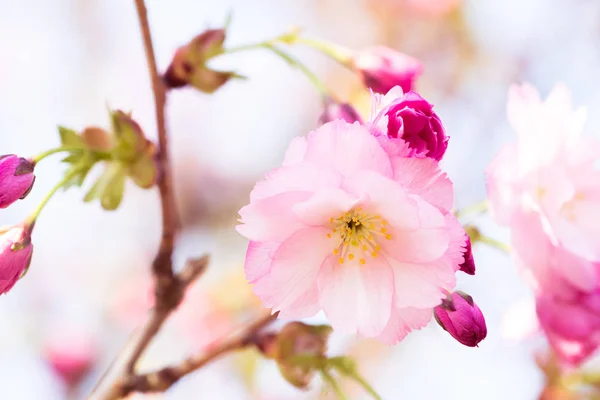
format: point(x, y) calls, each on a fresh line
point(15, 255)
point(382, 68)
point(16, 179)
point(294, 348)
point(188, 66)
point(461, 318)
point(97, 139)
point(334, 110)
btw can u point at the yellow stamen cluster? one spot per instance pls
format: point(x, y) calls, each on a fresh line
point(356, 233)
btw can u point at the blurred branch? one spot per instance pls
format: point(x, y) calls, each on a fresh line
point(168, 290)
point(164, 378)
point(169, 287)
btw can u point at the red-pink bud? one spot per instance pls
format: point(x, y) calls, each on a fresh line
point(15, 255)
point(334, 110)
point(16, 179)
point(188, 66)
point(461, 318)
point(382, 68)
point(468, 265)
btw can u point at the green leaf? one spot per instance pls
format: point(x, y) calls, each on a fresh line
point(112, 197)
point(130, 137)
point(78, 178)
point(70, 138)
point(109, 187)
point(334, 385)
point(144, 172)
point(347, 366)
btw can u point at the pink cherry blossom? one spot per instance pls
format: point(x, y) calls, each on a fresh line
point(361, 232)
point(545, 188)
point(552, 169)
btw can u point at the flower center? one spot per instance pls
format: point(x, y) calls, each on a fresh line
point(357, 234)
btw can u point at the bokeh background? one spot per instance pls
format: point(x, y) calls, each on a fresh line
point(65, 61)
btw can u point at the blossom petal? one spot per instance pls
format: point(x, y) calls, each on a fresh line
point(295, 178)
point(294, 269)
point(347, 149)
point(356, 298)
point(324, 205)
point(272, 218)
point(423, 176)
point(295, 152)
point(502, 195)
point(258, 259)
point(305, 306)
point(385, 196)
point(422, 285)
point(402, 322)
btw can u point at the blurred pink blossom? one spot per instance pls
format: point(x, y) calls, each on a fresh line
point(434, 7)
point(411, 118)
point(207, 315)
point(16, 179)
point(71, 355)
point(571, 320)
point(361, 232)
point(382, 68)
point(334, 110)
point(545, 188)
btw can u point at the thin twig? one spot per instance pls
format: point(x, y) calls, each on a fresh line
point(164, 378)
point(192, 271)
point(169, 291)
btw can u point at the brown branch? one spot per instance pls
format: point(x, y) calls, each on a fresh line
point(164, 378)
point(168, 290)
point(159, 314)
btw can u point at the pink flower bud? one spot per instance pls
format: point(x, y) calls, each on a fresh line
point(188, 66)
point(461, 318)
point(412, 119)
point(15, 255)
point(468, 265)
point(296, 339)
point(382, 68)
point(16, 179)
point(334, 110)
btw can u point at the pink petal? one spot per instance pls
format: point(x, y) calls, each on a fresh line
point(294, 269)
point(346, 148)
point(386, 197)
point(356, 298)
point(418, 246)
point(295, 152)
point(428, 243)
point(521, 101)
point(305, 306)
point(501, 182)
point(402, 322)
point(272, 218)
point(258, 259)
point(422, 285)
point(422, 176)
point(295, 178)
point(324, 205)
